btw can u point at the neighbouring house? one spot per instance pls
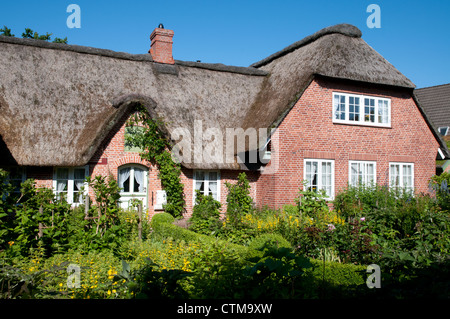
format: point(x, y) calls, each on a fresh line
point(328, 110)
point(436, 102)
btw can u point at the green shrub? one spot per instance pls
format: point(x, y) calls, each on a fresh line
point(159, 218)
point(268, 241)
point(205, 215)
point(334, 280)
point(163, 231)
point(311, 203)
point(239, 201)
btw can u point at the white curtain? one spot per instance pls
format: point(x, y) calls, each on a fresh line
point(61, 185)
point(124, 173)
point(311, 171)
point(354, 174)
point(139, 177)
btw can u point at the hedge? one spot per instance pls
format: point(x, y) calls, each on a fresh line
point(168, 230)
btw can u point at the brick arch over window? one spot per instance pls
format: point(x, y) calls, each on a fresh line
point(127, 159)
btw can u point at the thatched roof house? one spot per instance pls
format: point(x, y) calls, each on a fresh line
point(58, 102)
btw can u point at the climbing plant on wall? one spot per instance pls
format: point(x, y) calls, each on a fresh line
point(156, 149)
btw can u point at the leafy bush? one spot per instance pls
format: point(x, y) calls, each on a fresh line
point(205, 215)
point(239, 201)
point(334, 280)
point(39, 219)
point(268, 241)
point(440, 185)
point(162, 218)
point(311, 203)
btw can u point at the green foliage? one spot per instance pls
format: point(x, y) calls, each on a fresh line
point(239, 201)
point(6, 32)
point(206, 214)
point(156, 149)
point(7, 203)
point(106, 195)
point(310, 203)
point(39, 219)
point(268, 241)
point(149, 282)
point(30, 34)
point(277, 274)
point(440, 184)
point(162, 218)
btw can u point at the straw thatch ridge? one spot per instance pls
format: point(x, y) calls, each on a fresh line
point(345, 29)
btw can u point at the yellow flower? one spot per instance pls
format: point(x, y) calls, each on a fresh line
point(10, 243)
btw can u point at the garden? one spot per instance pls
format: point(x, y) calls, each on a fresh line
point(49, 250)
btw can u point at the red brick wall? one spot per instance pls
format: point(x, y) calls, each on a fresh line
point(308, 132)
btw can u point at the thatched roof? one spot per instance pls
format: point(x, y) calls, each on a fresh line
point(58, 102)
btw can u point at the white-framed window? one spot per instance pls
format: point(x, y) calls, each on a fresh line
point(319, 174)
point(401, 176)
point(361, 109)
point(444, 130)
point(68, 183)
point(208, 183)
point(132, 179)
point(362, 173)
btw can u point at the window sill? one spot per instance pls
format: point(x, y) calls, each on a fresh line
point(367, 124)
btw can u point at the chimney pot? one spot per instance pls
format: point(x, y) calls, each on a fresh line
point(161, 45)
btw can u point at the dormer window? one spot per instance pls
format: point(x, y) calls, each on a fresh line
point(444, 130)
point(361, 110)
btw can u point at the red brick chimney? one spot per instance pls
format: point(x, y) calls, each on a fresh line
point(161, 45)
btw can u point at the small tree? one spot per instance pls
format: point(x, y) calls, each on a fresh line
point(205, 215)
point(30, 34)
point(6, 32)
point(239, 201)
point(106, 195)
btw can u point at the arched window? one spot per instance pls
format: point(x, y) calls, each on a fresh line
point(132, 180)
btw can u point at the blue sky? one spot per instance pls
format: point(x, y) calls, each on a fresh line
point(414, 35)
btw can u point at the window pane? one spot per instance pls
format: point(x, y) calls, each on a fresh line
point(126, 185)
point(339, 107)
point(212, 176)
point(77, 198)
point(139, 180)
point(78, 173)
point(395, 175)
point(61, 186)
point(354, 174)
point(369, 110)
point(200, 185)
point(311, 175)
point(383, 116)
point(62, 173)
point(212, 187)
point(199, 175)
point(353, 108)
point(124, 179)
